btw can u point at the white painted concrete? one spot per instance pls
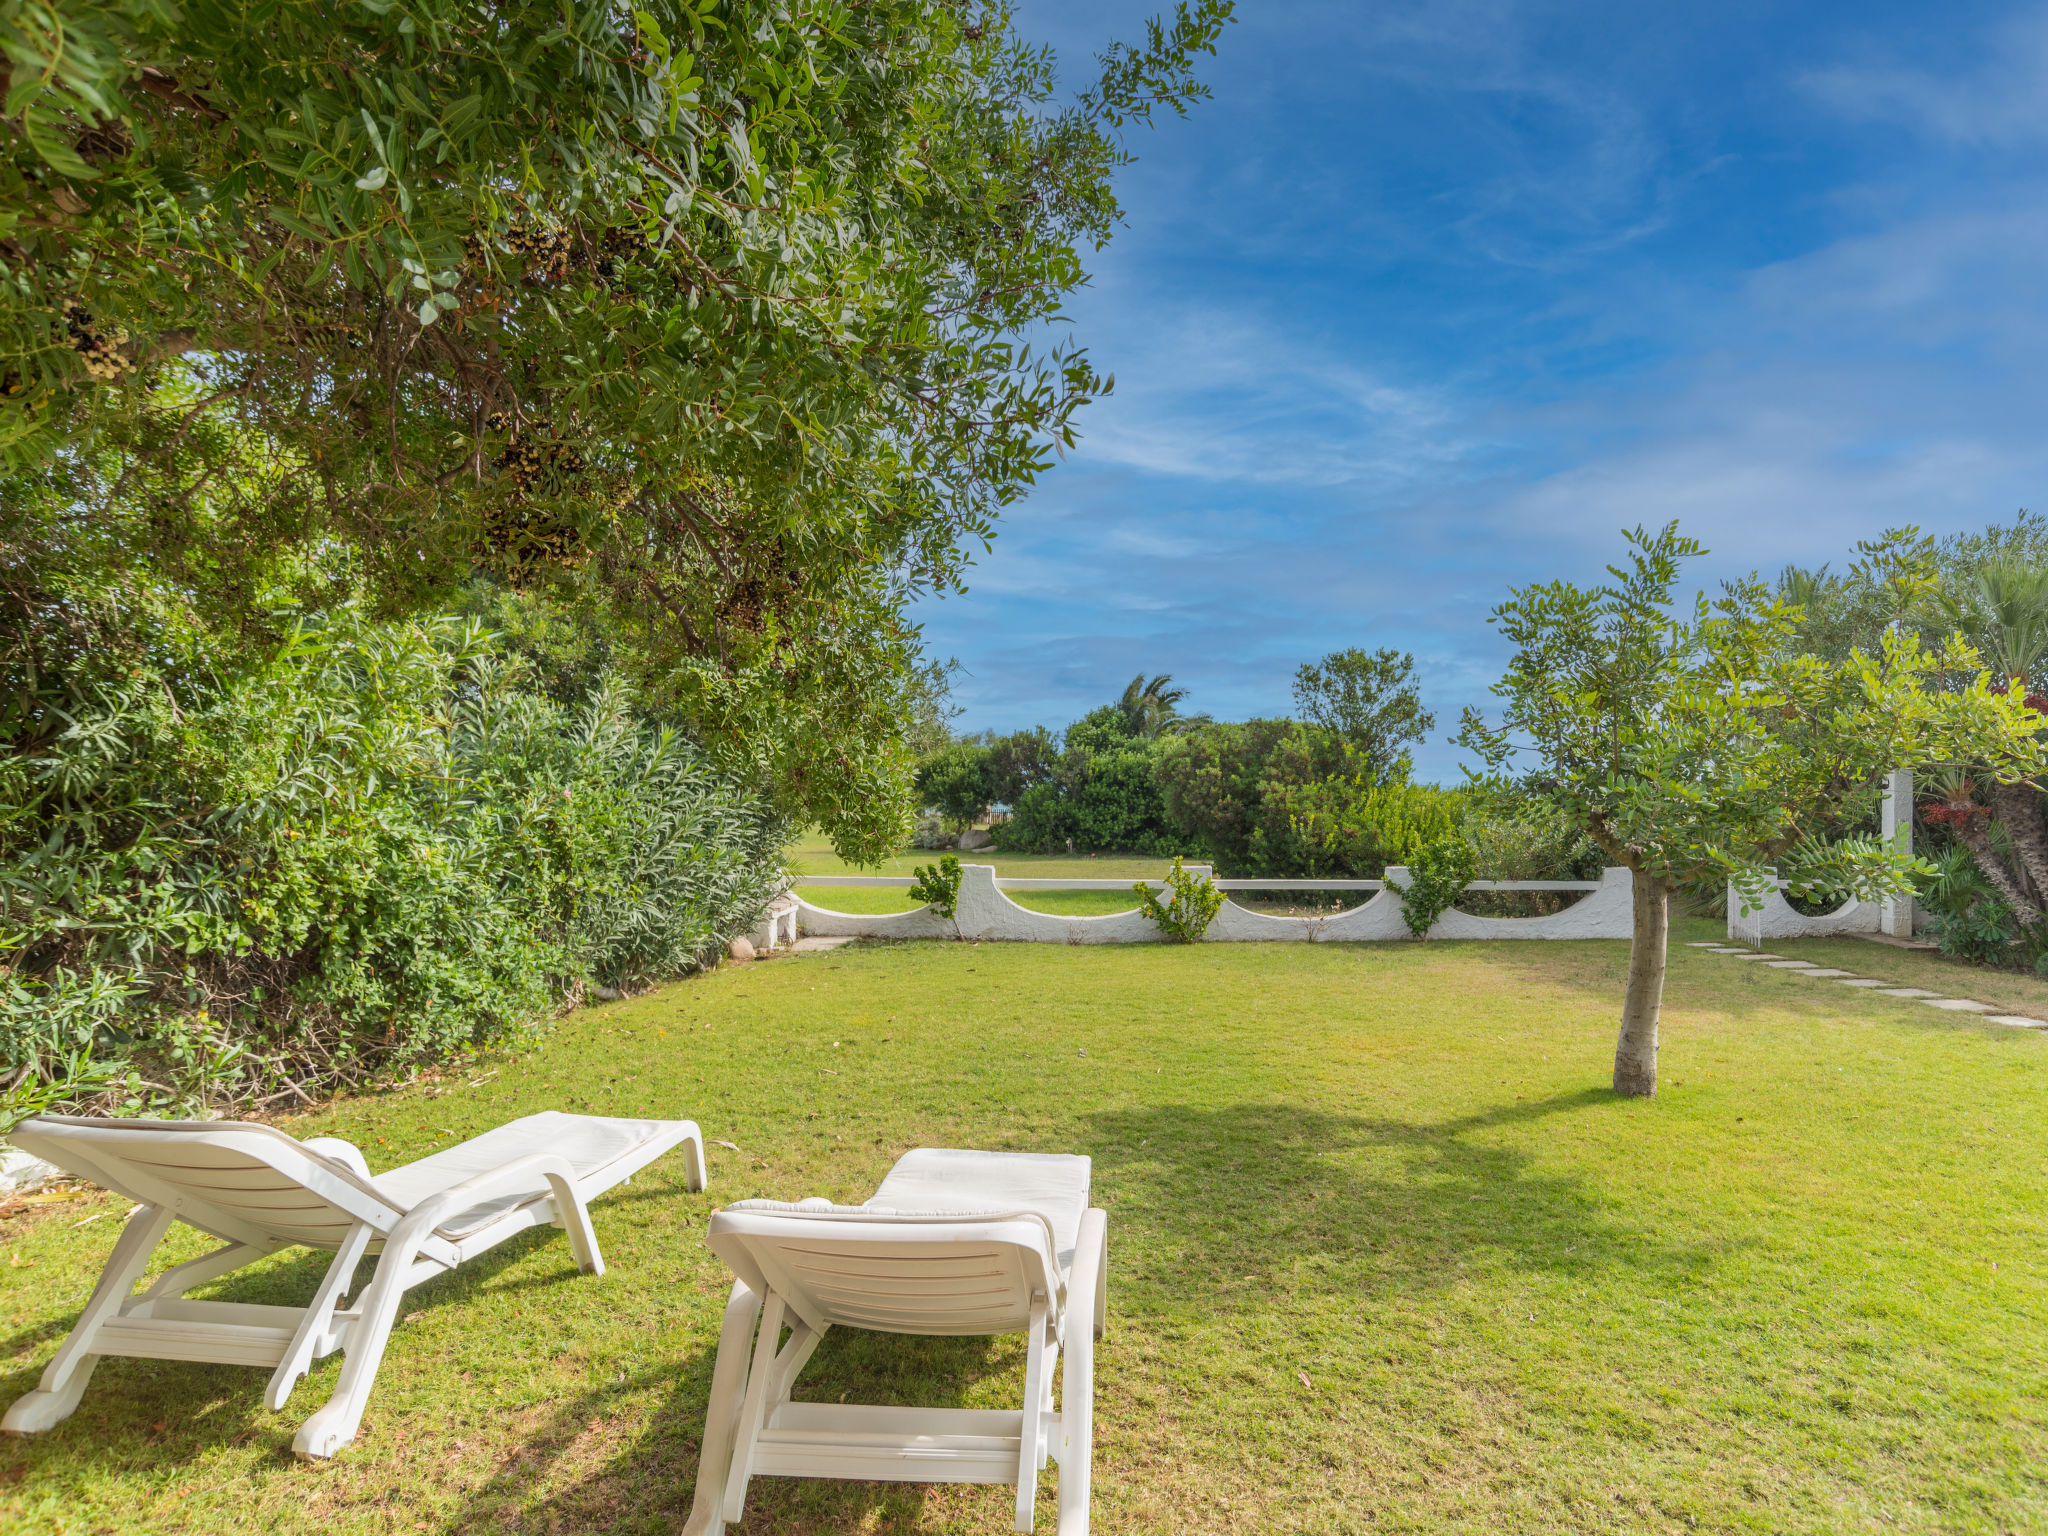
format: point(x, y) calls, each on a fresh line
point(985, 913)
point(1777, 920)
point(1897, 828)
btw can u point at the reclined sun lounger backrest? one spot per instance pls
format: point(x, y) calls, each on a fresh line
point(929, 1272)
point(244, 1182)
point(954, 1242)
point(260, 1190)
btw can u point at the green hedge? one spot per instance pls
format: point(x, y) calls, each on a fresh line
point(377, 844)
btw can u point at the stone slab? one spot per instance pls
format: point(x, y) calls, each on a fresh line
point(1745, 954)
point(1915, 992)
point(1862, 982)
point(1956, 1004)
point(819, 944)
point(1703, 944)
point(1793, 965)
point(1821, 970)
point(2016, 1020)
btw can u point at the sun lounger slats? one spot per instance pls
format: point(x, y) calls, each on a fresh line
point(953, 1243)
point(913, 1445)
point(261, 1190)
point(215, 1343)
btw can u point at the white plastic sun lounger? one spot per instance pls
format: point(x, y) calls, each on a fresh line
point(952, 1243)
point(262, 1190)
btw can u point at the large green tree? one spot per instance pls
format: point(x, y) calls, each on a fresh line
point(1704, 742)
point(715, 313)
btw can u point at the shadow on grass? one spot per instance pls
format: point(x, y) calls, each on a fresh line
point(647, 1482)
point(1215, 1212)
point(148, 1414)
point(1206, 1199)
point(1201, 1200)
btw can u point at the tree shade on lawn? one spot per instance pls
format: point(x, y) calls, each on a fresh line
point(1380, 1259)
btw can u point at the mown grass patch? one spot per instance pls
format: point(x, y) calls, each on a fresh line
point(1385, 1256)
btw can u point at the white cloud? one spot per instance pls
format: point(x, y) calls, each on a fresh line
point(1997, 103)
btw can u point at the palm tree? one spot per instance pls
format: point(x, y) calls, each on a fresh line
point(1149, 705)
point(2004, 611)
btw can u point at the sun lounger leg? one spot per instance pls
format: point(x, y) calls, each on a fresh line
point(728, 1394)
point(1077, 1381)
point(573, 1216)
point(760, 1378)
point(298, 1355)
point(56, 1397)
point(1037, 1376)
point(334, 1423)
point(694, 1175)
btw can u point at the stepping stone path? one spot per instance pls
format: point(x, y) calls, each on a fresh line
point(1883, 988)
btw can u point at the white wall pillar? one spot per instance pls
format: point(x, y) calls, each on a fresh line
point(1897, 823)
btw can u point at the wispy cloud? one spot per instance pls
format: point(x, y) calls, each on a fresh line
point(1437, 298)
point(1998, 101)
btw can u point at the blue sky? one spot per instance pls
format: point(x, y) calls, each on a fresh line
point(1431, 300)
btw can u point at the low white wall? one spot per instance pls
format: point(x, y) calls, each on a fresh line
point(985, 913)
point(1778, 920)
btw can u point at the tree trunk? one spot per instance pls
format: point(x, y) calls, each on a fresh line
point(1635, 1053)
point(2018, 807)
point(1972, 836)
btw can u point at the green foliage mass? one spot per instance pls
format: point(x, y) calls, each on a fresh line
point(954, 782)
point(706, 311)
point(371, 844)
point(1192, 902)
point(938, 886)
point(1437, 875)
point(1371, 700)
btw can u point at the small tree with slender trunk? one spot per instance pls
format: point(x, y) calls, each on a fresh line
point(1703, 744)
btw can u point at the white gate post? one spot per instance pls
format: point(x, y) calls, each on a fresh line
point(1897, 917)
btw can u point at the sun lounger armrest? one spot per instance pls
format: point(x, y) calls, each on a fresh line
point(335, 1150)
point(560, 1176)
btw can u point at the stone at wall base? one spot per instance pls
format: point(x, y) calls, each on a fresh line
point(741, 949)
point(20, 1172)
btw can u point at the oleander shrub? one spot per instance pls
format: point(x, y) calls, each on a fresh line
point(237, 881)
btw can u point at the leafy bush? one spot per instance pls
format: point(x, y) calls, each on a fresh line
point(1964, 915)
point(1116, 803)
point(1356, 828)
point(1191, 905)
point(1280, 798)
point(1437, 876)
point(373, 845)
point(938, 886)
point(1100, 800)
point(954, 782)
point(1018, 761)
point(1518, 837)
point(930, 833)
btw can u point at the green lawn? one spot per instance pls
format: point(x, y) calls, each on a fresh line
point(871, 898)
point(1385, 1256)
point(812, 855)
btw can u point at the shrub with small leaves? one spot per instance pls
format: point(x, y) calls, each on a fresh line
point(938, 886)
point(1192, 902)
point(1437, 877)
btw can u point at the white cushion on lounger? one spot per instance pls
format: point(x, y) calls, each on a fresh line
point(590, 1144)
point(1054, 1184)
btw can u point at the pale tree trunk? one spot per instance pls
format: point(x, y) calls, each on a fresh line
point(1635, 1053)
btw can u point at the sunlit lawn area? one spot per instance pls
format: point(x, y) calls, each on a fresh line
point(1385, 1256)
point(814, 856)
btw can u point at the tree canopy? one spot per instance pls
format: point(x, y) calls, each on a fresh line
point(1369, 698)
point(1711, 744)
point(719, 314)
